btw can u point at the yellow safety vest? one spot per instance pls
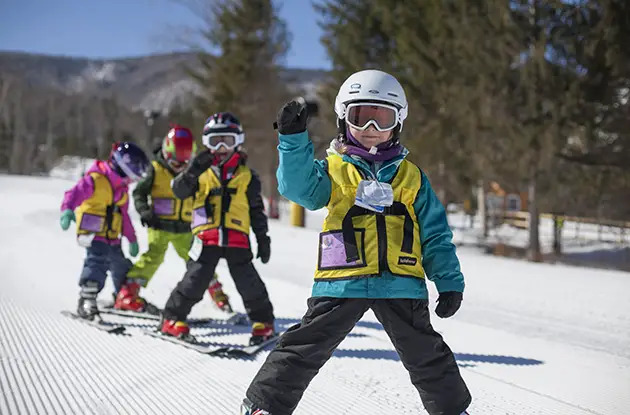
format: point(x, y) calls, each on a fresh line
point(357, 242)
point(217, 206)
point(164, 202)
point(98, 214)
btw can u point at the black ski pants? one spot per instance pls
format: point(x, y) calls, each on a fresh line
point(191, 289)
point(305, 347)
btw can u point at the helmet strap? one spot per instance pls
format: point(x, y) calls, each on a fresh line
point(396, 136)
point(341, 131)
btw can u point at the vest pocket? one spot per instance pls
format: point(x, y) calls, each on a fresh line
point(332, 251)
point(163, 206)
point(91, 223)
point(200, 217)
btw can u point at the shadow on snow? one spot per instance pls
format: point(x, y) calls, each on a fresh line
point(208, 331)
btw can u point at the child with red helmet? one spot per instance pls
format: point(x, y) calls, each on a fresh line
point(166, 217)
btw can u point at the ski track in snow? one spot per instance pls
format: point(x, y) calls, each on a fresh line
point(529, 339)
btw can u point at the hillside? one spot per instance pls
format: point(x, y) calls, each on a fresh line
point(147, 82)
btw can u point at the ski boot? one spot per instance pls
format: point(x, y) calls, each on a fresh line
point(219, 297)
point(87, 308)
point(129, 300)
point(177, 329)
point(248, 408)
point(261, 332)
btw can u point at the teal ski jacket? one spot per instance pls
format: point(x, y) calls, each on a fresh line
point(305, 181)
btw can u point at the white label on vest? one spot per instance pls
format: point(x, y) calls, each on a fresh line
point(196, 248)
point(407, 260)
point(374, 195)
point(85, 240)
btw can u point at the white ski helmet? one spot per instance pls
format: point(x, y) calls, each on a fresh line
point(372, 85)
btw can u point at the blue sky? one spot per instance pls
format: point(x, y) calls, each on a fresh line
point(119, 28)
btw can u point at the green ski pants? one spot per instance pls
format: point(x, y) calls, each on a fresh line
point(150, 261)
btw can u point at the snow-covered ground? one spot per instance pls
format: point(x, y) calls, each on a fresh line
point(529, 339)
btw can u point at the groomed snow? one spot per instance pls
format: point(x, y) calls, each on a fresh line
point(529, 339)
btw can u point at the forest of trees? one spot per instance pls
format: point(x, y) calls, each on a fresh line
point(531, 94)
point(38, 125)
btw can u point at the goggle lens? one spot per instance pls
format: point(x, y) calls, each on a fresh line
point(360, 115)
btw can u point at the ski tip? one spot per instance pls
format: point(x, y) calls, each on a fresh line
point(221, 351)
point(98, 324)
point(118, 330)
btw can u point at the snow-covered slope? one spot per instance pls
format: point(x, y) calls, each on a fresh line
point(529, 339)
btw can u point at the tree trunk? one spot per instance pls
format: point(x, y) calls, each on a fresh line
point(442, 181)
point(558, 223)
point(273, 195)
point(50, 149)
point(481, 206)
point(5, 123)
point(534, 236)
point(16, 130)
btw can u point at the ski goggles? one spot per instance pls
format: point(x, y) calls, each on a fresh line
point(363, 114)
point(228, 140)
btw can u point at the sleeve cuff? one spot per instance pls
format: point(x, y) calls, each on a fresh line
point(450, 285)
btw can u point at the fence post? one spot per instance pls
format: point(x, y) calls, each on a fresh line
point(483, 208)
point(558, 223)
point(577, 230)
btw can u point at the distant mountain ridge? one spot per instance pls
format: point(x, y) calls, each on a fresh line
point(147, 82)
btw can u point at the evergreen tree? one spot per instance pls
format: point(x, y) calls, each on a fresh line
point(355, 39)
point(602, 57)
point(244, 77)
point(499, 89)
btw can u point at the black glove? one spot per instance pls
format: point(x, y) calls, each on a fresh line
point(148, 219)
point(448, 303)
point(200, 163)
point(292, 117)
point(264, 248)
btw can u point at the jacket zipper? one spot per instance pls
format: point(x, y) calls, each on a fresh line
point(222, 239)
point(222, 221)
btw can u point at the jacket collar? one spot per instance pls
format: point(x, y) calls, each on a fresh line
point(103, 167)
point(383, 172)
point(159, 157)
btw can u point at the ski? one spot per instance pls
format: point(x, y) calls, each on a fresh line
point(235, 319)
point(209, 350)
point(235, 351)
point(98, 323)
point(129, 313)
point(224, 351)
point(152, 312)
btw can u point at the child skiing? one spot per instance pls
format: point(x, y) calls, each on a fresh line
point(101, 203)
point(226, 203)
point(385, 231)
point(167, 218)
